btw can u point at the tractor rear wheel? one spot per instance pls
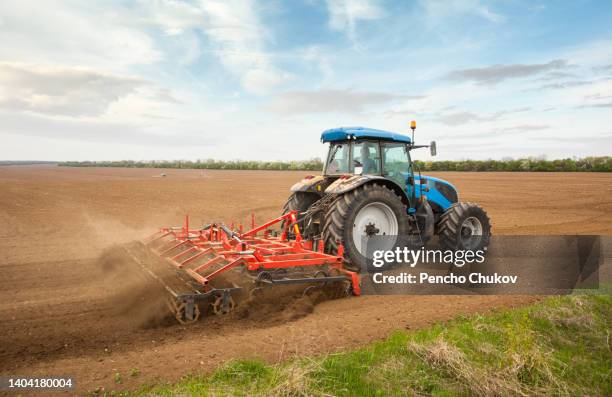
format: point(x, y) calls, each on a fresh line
point(367, 211)
point(299, 201)
point(464, 226)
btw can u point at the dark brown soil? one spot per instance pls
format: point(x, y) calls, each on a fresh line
point(72, 302)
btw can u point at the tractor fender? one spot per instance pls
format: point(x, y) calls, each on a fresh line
point(310, 183)
point(343, 185)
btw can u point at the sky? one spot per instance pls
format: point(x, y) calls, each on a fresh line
point(260, 80)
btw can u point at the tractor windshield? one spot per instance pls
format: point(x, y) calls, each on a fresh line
point(396, 162)
point(338, 159)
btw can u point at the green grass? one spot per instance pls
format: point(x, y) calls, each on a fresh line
point(559, 346)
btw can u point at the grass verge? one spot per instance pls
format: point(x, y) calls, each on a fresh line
point(559, 346)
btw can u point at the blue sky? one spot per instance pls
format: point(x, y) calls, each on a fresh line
point(165, 79)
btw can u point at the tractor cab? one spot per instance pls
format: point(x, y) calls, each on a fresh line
point(359, 151)
point(364, 151)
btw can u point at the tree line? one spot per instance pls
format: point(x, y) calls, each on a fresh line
point(307, 165)
point(586, 164)
point(26, 162)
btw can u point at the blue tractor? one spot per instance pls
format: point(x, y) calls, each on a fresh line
point(369, 187)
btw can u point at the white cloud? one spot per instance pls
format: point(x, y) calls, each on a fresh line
point(345, 14)
point(175, 17)
point(458, 118)
point(437, 11)
point(331, 100)
point(116, 38)
point(497, 73)
point(61, 91)
point(180, 21)
point(115, 131)
point(489, 15)
point(239, 37)
point(594, 53)
point(463, 117)
point(320, 57)
point(100, 79)
point(527, 127)
point(82, 34)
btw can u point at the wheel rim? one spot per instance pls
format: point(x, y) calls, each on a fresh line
point(374, 219)
point(471, 232)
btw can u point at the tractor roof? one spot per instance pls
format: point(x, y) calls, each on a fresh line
point(344, 133)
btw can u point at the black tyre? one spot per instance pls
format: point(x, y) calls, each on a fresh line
point(464, 226)
point(299, 201)
point(354, 216)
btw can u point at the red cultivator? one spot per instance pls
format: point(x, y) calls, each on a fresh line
point(216, 260)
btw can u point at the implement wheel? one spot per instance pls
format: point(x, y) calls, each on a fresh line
point(186, 313)
point(223, 305)
point(464, 226)
point(368, 211)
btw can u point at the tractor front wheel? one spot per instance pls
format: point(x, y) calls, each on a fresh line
point(464, 226)
point(356, 216)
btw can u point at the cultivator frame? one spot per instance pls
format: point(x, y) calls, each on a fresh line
point(203, 256)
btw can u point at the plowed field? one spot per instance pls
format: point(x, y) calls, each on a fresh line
point(72, 304)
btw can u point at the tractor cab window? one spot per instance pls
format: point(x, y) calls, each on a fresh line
point(366, 158)
point(338, 159)
point(396, 163)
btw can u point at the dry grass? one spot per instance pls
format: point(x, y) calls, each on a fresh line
point(557, 347)
point(455, 364)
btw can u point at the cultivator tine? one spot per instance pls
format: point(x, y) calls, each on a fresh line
point(207, 251)
point(170, 249)
point(151, 273)
point(211, 262)
point(226, 267)
point(176, 257)
point(207, 254)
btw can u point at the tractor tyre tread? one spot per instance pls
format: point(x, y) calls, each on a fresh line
point(299, 201)
point(343, 208)
point(451, 219)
